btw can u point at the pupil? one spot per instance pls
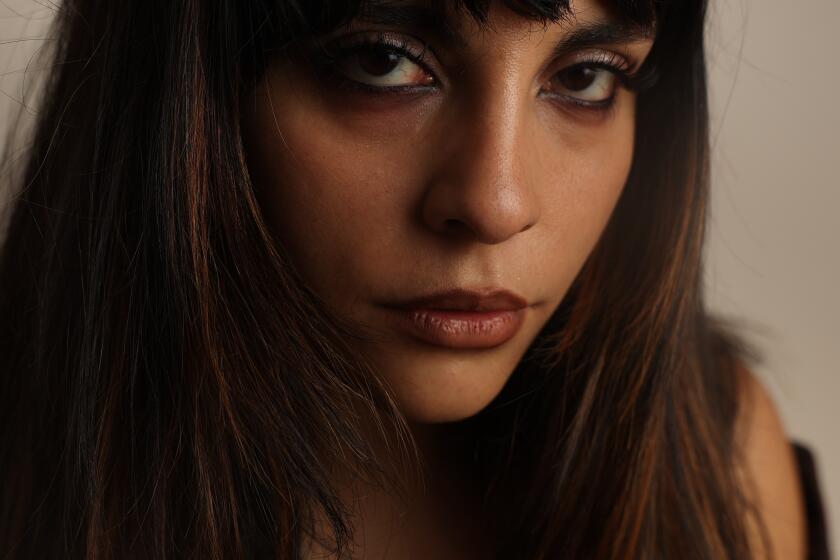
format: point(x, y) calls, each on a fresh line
point(378, 62)
point(577, 79)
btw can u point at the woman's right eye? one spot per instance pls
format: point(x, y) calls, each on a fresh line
point(382, 66)
point(379, 61)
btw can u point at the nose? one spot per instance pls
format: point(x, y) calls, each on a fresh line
point(482, 185)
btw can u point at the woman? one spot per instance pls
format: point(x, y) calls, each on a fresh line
point(404, 279)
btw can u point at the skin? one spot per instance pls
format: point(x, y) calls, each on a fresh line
point(482, 183)
point(769, 474)
point(479, 182)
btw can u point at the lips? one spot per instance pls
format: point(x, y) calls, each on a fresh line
point(462, 319)
point(467, 300)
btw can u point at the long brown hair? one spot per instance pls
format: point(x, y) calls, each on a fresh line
point(170, 388)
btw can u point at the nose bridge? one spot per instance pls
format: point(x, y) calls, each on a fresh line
point(484, 184)
point(497, 135)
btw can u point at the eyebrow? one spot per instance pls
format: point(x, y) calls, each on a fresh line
point(432, 21)
point(591, 34)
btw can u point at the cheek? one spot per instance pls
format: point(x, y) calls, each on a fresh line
point(588, 168)
point(342, 194)
point(331, 195)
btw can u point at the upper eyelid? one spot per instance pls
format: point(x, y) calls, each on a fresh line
point(597, 55)
point(622, 63)
point(376, 38)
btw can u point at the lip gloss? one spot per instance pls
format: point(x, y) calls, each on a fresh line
point(460, 329)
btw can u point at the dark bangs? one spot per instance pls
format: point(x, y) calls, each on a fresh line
point(641, 12)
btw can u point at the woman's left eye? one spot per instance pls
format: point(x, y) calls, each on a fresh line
point(382, 66)
point(588, 84)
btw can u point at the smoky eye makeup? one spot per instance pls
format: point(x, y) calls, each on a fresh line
point(376, 63)
point(592, 78)
point(387, 64)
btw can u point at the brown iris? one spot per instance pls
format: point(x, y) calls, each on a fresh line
point(378, 62)
point(577, 78)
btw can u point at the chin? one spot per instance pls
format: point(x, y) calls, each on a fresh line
point(447, 392)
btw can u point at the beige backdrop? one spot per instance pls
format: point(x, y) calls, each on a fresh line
point(773, 256)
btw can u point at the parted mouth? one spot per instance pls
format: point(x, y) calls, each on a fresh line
point(461, 299)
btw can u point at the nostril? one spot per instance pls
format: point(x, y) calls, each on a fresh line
point(459, 229)
point(453, 224)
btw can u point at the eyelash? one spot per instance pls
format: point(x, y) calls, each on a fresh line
point(330, 56)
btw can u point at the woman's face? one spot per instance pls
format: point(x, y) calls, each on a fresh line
point(415, 153)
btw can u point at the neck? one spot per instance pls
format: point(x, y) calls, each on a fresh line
point(436, 516)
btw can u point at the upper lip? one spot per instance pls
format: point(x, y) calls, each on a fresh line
point(488, 299)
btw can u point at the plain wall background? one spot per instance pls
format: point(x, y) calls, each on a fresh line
point(773, 258)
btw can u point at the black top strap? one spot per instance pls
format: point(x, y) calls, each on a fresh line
point(818, 548)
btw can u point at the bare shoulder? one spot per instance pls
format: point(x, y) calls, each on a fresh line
point(770, 475)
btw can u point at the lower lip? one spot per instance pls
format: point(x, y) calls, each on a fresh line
point(460, 329)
